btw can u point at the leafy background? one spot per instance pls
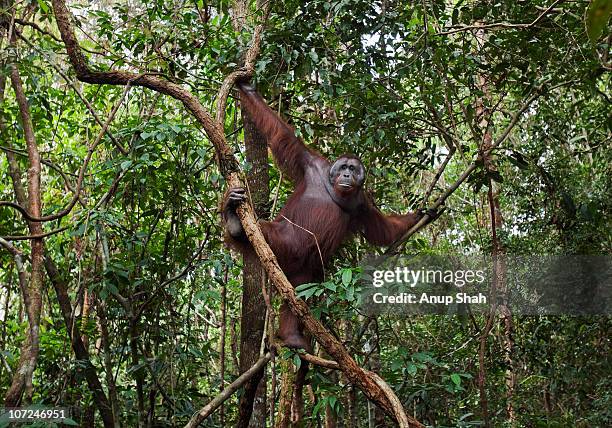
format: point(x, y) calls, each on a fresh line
point(352, 76)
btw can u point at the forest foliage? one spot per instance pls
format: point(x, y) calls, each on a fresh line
point(404, 85)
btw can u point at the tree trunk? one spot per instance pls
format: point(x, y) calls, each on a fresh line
point(108, 362)
point(88, 370)
point(498, 252)
point(252, 408)
point(286, 395)
point(32, 296)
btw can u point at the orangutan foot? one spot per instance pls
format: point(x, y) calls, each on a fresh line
point(296, 341)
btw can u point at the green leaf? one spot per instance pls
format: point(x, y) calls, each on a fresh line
point(597, 17)
point(305, 291)
point(112, 288)
point(347, 275)
point(318, 407)
point(306, 286)
point(421, 356)
point(297, 361)
point(456, 379)
point(314, 56)
point(330, 286)
point(350, 293)
point(79, 231)
point(332, 402)
point(43, 6)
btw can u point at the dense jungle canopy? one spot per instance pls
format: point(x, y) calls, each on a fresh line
point(118, 297)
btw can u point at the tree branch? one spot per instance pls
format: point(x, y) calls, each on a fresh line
point(197, 418)
point(213, 130)
point(246, 71)
point(22, 377)
point(79, 184)
point(502, 24)
point(229, 169)
point(393, 248)
point(39, 236)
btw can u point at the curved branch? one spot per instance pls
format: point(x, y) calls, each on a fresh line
point(502, 24)
point(39, 236)
point(229, 169)
point(81, 177)
point(321, 362)
point(213, 130)
point(246, 71)
point(396, 404)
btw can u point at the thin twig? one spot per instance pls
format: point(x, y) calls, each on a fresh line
point(432, 186)
point(442, 198)
point(80, 180)
point(38, 236)
point(501, 24)
point(50, 34)
point(244, 72)
point(276, 191)
point(316, 242)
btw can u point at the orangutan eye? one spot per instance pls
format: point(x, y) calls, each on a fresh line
point(352, 168)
